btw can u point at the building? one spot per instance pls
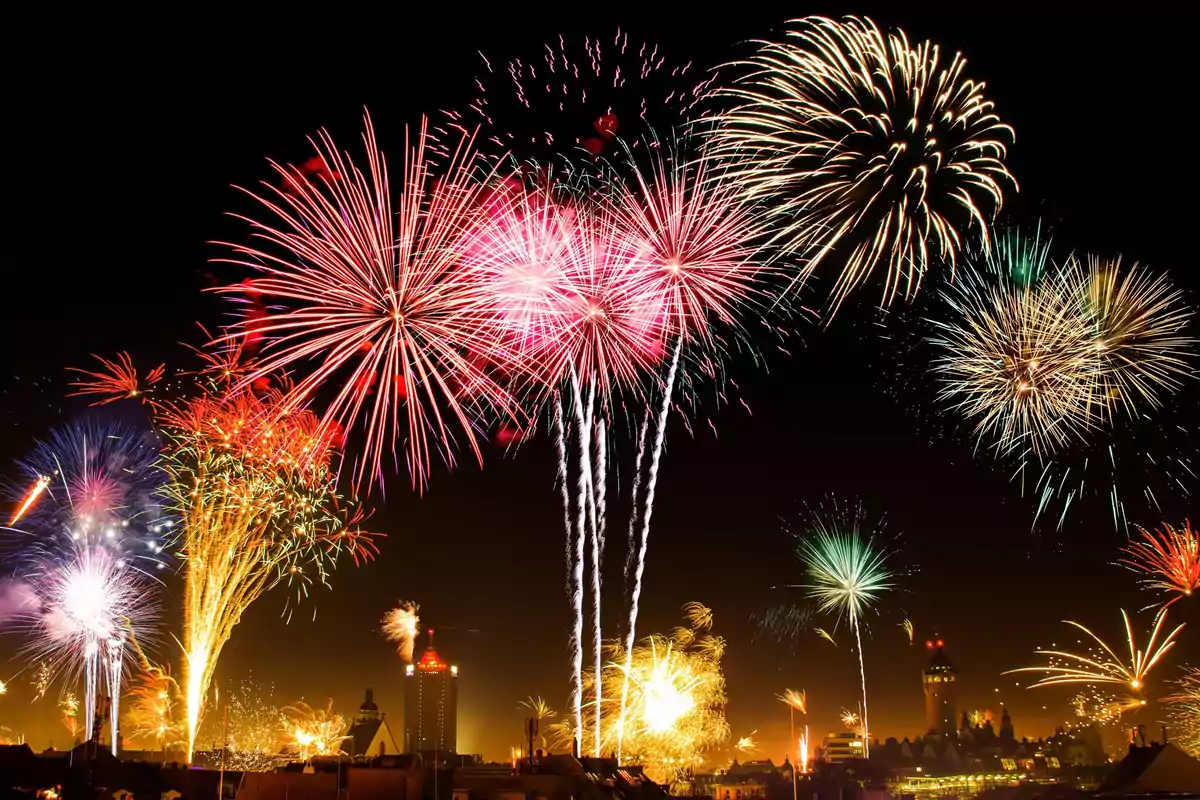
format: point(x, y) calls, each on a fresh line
point(940, 682)
point(369, 735)
point(840, 747)
point(431, 706)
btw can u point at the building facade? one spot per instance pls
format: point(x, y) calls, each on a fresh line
point(431, 706)
point(841, 747)
point(940, 680)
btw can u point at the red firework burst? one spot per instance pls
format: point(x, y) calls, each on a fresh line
point(117, 380)
point(368, 301)
point(1169, 558)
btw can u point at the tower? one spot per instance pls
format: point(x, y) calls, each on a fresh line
point(940, 690)
point(431, 706)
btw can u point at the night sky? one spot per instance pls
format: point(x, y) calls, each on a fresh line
point(123, 147)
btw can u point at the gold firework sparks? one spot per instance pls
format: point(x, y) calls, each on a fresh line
point(314, 732)
point(249, 727)
point(1104, 666)
point(675, 710)
point(907, 627)
point(797, 700)
point(400, 625)
point(874, 153)
point(826, 635)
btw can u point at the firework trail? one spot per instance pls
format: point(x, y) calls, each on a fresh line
point(695, 239)
point(371, 302)
point(1169, 560)
point(117, 379)
point(847, 573)
point(1105, 666)
point(576, 97)
point(874, 153)
point(401, 625)
point(907, 627)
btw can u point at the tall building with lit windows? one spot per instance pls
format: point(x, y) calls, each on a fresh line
point(431, 706)
point(941, 688)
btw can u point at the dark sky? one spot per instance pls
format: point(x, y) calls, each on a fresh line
point(122, 149)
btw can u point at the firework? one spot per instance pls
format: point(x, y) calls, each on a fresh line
point(42, 678)
point(30, 498)
point(846, 575)
point(1183, 709)
point(796, 700)
point(1046, 363)
point(68, 707)
point(254, 488)
point(585, 326)
point(152, 715)
point(540, 710)
point(314, 732)
point(907, 627)
point(577, 96)
point(784, 623)
point(802, 751)
point(873, 153)
point(675, 707)
point(695, 239)
point(1104, 666)
point(101, 484)
point(117, 379)
point(400, 625)
point(852, 721)
point(1169, 560)
point(90, 602)
point(371, 301)
point(826, 635)
point(251, 729)
point(746, 745)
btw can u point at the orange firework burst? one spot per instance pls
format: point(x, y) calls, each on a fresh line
point(1169, 559)
point(118, 379)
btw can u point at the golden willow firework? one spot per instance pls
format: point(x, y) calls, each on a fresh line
point(1168, 559)
point(675, 709)
point(254, 488)
point(250, 730)
point(875, 154)
point(1102, 665)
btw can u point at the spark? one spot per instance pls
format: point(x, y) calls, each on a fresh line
point(747, 745)
point(907, 627)
point(401, 625)
point(796, 700)
point(1106, 666)
point(30, 498)
point(1169, 559)
point(371, 301)
point(873, 153)
point(826, 635)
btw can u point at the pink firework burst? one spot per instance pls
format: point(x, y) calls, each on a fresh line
point(369, 302)
point(571, 295)
point(695, 240)
point(1168, 558)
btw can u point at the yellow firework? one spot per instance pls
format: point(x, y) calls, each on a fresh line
point(1103, 665)
point(255, 492)
point(401, 625)
point(314, 731)
point(874, 153)
point(797, 700)
point(248, 726)
point(675, 709)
